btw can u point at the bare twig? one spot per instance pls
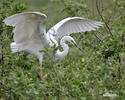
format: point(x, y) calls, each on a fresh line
point(63, 2)
point(112, 16)
point(107, 26)
point(119, 75)
point(102, 6)
point(2, 56)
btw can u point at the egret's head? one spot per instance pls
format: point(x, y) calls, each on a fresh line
point(67, 38)
point(70, 40)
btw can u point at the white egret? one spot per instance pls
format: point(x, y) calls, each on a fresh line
point(30, 33)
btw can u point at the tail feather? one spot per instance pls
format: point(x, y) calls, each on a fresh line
point(14, 47)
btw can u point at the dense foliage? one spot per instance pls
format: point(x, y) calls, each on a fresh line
point(100, 71)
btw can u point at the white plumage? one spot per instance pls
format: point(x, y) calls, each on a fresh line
point(30, 34)
point(74, 25)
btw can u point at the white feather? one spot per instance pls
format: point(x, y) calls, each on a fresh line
point(74, 25)
point(21, 17)
point(27, 32)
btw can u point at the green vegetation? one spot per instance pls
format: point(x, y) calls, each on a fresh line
point(89, 76)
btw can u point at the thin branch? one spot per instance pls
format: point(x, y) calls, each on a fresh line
point(63, 2)
point(2, 56)
point(112, 16)
point(120, 75)
point(103, 18)
point(102, 5)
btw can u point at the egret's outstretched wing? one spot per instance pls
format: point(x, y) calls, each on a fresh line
point(28, 32)
point(26, 24)
point(73, 25)
point(17, 18)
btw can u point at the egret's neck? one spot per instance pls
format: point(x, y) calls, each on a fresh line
point(65, 49)
point(60, 54)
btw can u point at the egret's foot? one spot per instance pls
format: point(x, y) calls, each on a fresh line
point(42, 77)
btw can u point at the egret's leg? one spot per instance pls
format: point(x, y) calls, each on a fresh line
point(42, 77)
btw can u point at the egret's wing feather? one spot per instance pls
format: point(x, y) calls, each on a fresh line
point(73, 25)
point(21, 17)
point(23, 31)
point(26, 24)
point(28, 32)
point(35, 45)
